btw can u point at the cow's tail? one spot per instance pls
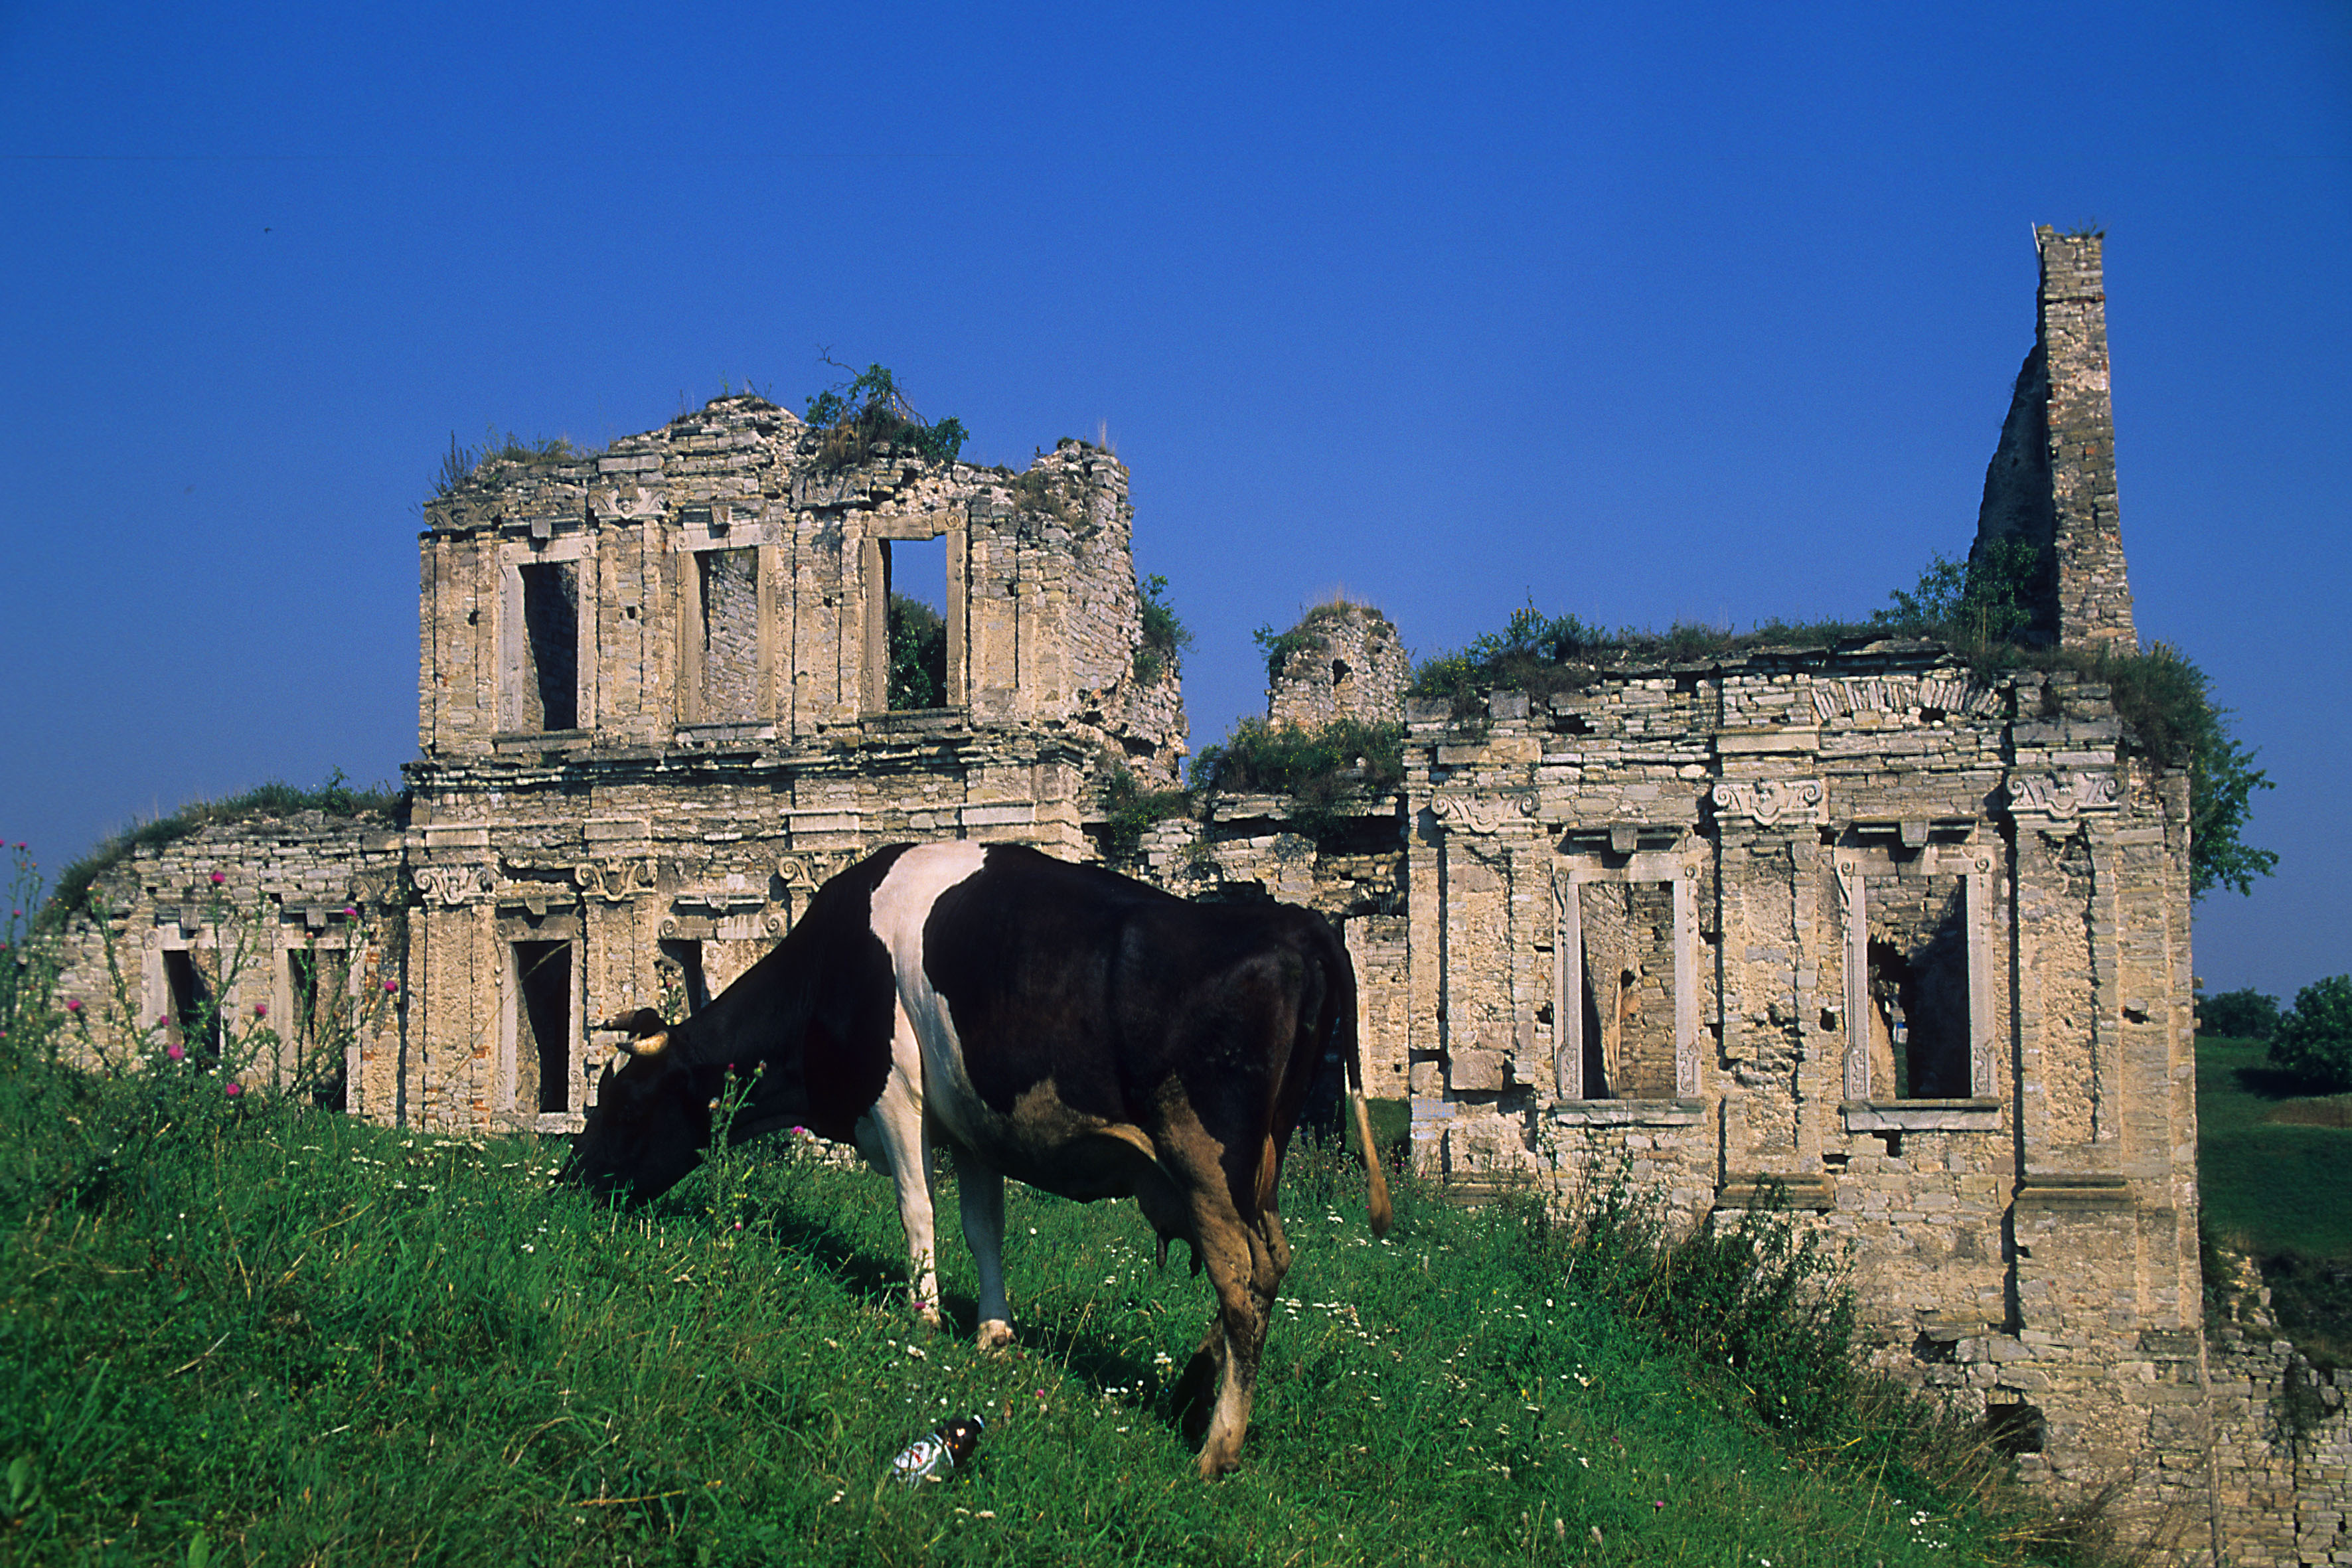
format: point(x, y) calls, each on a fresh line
point(1375, 1179)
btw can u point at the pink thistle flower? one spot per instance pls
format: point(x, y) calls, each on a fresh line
point(218, 877)
point(175, 1050)
point(390, 987)
point(233, 1088)
point(73, 1005)
point(351, 912)
point(261, 1009)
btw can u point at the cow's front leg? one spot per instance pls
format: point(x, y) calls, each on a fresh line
point(979, 1196)
point(905, 1144)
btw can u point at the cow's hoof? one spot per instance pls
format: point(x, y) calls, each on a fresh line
point(931, 1319)
point(995, 1335)
point(1220, 1458)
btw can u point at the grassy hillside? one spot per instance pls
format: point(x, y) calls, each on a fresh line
point(246, 1333)
point(2275, 1169)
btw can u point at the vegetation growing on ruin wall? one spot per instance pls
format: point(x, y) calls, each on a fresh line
point(1978, 608)
point(870, 410)
point(336, 797)
point(1165, 636)
point(1321, 769)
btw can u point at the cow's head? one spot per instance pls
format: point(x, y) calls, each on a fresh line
point(652, 1118)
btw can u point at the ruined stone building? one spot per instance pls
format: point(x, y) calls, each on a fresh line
point(1859, 927)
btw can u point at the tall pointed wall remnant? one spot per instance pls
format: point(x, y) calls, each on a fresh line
point(2052, 479)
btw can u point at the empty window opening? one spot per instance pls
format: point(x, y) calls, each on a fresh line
point(727, 597)
point(543, 1025)
point(194, 1019)
point(1918, 988)
point(914, 576)
point(301, 1026)
point(683, 990)
point(550, 693)
point(313, 1046)
point(1629, 988)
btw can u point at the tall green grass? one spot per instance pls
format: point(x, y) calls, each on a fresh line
point(257, 1333)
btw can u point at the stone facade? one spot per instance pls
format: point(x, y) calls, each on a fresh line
point(1353, 667)
point(1907, 943)
point(635, 791)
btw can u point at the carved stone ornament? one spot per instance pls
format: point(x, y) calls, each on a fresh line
point(1481, 814)
point(812, 869)
point(2061, 794)
point(1770, 800)
point(453, 885)
point(615, 882)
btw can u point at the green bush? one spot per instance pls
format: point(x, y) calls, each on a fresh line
point(869, 410)
point(2314, 1041)
point(1129, 810)
point(2245, 1014)
point(1982, 602)
point(1318, 768)
point(1165, 638)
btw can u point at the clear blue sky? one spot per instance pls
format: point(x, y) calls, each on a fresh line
point(1647, 312)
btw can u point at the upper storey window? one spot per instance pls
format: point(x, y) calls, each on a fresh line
point(542, 651)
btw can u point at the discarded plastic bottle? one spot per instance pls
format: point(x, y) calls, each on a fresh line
point(930, 1458)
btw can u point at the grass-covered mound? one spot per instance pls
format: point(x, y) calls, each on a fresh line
point(298, 1338)
point(2275, 1167)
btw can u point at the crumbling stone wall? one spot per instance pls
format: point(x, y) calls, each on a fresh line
point(1353, 667)
point(1779, 850)
point(309, 890)
point(730, 741)
point(2051, 480)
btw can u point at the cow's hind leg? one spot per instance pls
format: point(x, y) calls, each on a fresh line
point(979, 1196)
point(1242, 1266)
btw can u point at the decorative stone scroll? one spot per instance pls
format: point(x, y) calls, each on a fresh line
point(617, 881)
point(2062, 794)
point(450, 886)
point(1481, 814)
point(1771, 801)
point(814, 869)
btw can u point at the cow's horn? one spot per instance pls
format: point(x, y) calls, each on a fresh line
point(651, 1045)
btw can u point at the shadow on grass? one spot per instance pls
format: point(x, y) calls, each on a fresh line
point(2273, 1083)
point(878, 1280)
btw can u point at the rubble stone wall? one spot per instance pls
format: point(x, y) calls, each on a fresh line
point(1355, 667)
point(302, 901)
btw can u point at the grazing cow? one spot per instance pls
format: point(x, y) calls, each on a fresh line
point(1057, 1024)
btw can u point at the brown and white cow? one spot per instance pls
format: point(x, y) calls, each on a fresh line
point(1057, 1024)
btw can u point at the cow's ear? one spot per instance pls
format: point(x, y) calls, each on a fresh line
point(644, 1021)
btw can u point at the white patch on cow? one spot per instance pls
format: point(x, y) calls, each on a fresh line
point(927, 1072)
point(901, 907)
